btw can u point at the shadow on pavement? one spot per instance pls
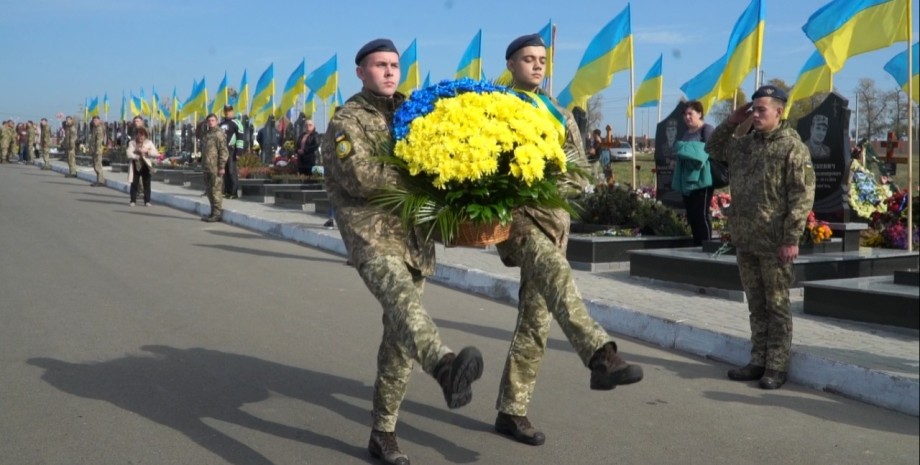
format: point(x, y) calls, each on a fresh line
point(179, 388)
point(102, 201)
point(265, 253)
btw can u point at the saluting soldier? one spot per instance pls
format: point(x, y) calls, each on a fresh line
point(773, 189)
point(214, 157)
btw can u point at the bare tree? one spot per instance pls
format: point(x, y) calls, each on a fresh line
point(873, 107)
point(594, 112)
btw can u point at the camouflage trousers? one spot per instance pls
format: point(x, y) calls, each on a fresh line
point(4, 152)
point(72, 162)
point(214, 189)
point(766, 284)
point(97, 167)
point(46, 162)
point(547, 291)
point(409, 334)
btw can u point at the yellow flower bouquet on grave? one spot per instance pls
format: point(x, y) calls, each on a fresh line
point(471, 153)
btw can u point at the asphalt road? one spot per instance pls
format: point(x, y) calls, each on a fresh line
point(144, 336)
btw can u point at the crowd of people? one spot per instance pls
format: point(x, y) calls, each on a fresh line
point(772, 188)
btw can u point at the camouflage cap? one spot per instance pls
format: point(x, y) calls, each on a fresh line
point(530, 40)
point(771, 91)
point(376, 45)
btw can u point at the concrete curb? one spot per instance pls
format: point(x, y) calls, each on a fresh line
point(874, 387)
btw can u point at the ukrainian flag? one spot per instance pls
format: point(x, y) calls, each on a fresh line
point(845, 28)
point(409, 75)
point(265, 91)
point(611, 50)
point(222, 97)
point(124, 105)
point(135, 105)
point(196, 104)
point(165, 113)
point(94, 107)
point(897, 68)
point(145, 107)
point(505, 79)
point(105, 104)
point(293, 89)
point(427, 82)
point(157, 113)
point(309, 107)
point(648, 94)
point(814, 77)
point(324, 81)
point(471, 62)
point(260, 116)
point(242, 96)
point(176, 106)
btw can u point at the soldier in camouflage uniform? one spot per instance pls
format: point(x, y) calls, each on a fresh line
point(5, 136)
point(45, 143)
point(214, 155)
point(69, 145)
point(537, 244)
point(773, 188)
point(392, 261)
point(30, 142)
point(97, 148)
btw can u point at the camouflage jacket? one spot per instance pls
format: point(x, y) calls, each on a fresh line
point(45, 139)
point(30, 136)
point(358, 134)
point(552, 222)
point(5, 135)
point(69, 143)
point(97, 140)
point(772, 185)
point(214, 153)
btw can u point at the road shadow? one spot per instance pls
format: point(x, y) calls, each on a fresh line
point(145, 211)
point(112, 202)
point(265, 253)
point(180, 388)
point(99, 194)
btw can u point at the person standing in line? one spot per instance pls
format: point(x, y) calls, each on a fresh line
point(392, 261)
point(214, 156)
point(97, 148)
point(141, 153)
point(69, 145)
point(692, 176)
point(537, 245)
point(45, 143)
point(233, 132)
point(5, 136)
point(773, 189)
point(307, 146)
point(30, 141)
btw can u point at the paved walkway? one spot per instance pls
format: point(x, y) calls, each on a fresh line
point(876, 364)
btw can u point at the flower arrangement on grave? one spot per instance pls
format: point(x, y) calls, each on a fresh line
point(471, 153)
point(888, 228)
point(866, 195)
point(816, 231)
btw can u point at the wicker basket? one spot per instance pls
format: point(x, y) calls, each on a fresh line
point(480, 235)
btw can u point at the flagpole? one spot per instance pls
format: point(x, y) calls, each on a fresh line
point(632, 91)
point(910, 131)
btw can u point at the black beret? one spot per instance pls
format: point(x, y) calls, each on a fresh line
point(376, 45)
point(530, 40)
point(228, 107)
point(771, 91)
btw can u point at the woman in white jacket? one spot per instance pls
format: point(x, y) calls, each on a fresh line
point(140, 151)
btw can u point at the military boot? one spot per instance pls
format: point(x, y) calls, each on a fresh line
point(519, 428)
point(456, 373)
point(749, 372)
point(772, 379)
point(609, 370)
point(383, 446)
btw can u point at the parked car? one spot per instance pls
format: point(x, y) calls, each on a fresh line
point(623, 152)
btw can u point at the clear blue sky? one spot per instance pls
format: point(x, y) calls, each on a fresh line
point(58, 52)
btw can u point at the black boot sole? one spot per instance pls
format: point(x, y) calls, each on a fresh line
point(468, 368)
point(630, 375)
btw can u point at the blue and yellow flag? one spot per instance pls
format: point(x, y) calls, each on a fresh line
point(897, 68)
point(648, 94)
point(814, 77)
point(124, 106)
point(610, 51)
point(145, 107)
point(93, 107)
point(293, 88)
point(222, 97)
point(265, 92)
point(409, 74)
point(309, 105)
point(157, 112)
point(471, 62)
point(105, 104)
point(196, 104)
point(324, 81)
point(241, 104)
point(175, 105)
point(743, 54)
point(845, 28)
point(136, 105)
point(260, 116)
point(427, 82)
point(505, 79)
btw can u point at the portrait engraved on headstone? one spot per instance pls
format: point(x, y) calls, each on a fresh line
point(825, 132)
point(667, 133)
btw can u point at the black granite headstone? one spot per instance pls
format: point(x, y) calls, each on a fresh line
point(826, 133)
point(667, 133)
